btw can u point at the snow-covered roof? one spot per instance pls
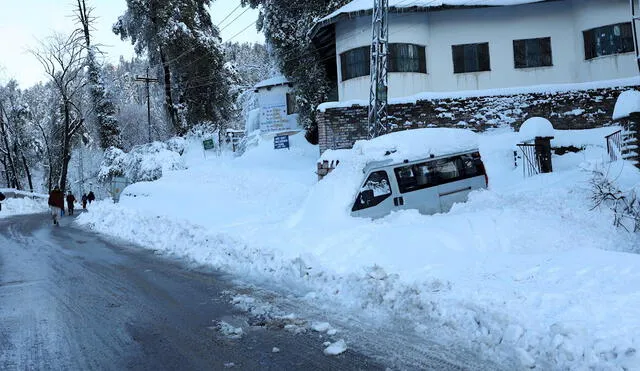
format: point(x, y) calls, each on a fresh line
point(274, 81)
point(364, 6)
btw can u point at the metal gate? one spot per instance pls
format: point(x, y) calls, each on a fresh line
point(530, 163)
point(614, 145)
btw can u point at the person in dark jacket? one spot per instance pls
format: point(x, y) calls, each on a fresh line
point(70, 201)
point(56, 202)
point(84, 201)
point(2, 197)
point(91, 197)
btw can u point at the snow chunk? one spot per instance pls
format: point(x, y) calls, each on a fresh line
point(336, 348)
point(320, 326)
point(536, 127)
point(628, 102)
point(275, 350)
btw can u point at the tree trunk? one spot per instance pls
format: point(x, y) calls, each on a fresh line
point(66, 144)
point(13, 176)
point(171, 110)
point(6, 171)
point(26, 169)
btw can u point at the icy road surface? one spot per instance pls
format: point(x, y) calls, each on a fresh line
point(71, 300)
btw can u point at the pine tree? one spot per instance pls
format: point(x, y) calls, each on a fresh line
point(179, 37)
point(104, 109)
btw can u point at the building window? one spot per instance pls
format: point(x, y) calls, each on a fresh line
point(608, 40)
point(355, 62)
point(407, 58)
point(532, 52)
point(291, 104)
point(471, 58)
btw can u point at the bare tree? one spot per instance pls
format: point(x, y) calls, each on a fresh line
point(62, 58)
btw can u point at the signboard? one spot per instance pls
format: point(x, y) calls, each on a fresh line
point(273, 112)
point(281, 142)
point(118, 184)
point(208, 144)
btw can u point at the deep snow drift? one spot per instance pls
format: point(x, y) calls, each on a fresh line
point(526, 273)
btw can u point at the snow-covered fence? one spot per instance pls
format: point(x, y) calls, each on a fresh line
point(614, 145)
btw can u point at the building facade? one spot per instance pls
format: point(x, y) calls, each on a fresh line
point(456, 47)
point(277, 110)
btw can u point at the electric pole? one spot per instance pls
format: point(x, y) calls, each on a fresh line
point(147, 80)
point(378, 117)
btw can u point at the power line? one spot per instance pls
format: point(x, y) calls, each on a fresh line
point(229, 15)
point(240, 15)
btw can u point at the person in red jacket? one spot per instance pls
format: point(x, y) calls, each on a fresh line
point(70, 201)
point(56, 202)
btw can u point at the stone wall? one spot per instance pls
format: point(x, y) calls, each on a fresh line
point(339, 128)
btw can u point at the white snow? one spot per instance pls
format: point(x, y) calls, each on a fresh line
point(30, 203)
point(536, 127)
point(336, 348)
point(526, 272)
point(628, 102)
point(274, 81)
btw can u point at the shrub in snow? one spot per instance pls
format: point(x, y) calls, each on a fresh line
point(625, 205)
point(144, 163)
point(536, 127)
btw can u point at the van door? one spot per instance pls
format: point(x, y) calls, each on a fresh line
point(374, 199)
point(417, 188)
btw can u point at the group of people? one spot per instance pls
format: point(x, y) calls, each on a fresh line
point(57, 200)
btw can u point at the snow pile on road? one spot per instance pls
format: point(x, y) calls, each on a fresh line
point(525, 273)
point(20, 206)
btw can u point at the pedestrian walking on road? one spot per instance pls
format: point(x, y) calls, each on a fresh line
point(84, 201)
point(56, 202)
point(70, 201)
point(91, 197)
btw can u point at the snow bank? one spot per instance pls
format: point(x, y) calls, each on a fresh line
point(628, 102)
point(525, 273)
point(20, 206)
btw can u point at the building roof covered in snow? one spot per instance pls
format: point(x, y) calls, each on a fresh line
point(274, 81)
point(364, 7)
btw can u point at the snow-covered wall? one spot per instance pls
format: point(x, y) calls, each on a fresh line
point(562, 21)
point(339, 126)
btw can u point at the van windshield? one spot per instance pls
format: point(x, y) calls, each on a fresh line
point(435, 172)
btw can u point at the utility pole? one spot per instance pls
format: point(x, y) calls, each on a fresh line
point(378, 117)
point(147, 80)
point(634, 19)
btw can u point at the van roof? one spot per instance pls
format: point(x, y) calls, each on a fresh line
point(410, 145)
point(391, 162)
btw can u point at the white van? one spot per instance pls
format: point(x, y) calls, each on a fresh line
point(430, 185)
point(426, 169)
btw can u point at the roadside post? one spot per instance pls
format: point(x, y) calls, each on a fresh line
point(281, 142)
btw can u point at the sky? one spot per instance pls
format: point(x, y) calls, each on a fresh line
point(20, 33)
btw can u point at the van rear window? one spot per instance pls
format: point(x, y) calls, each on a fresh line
point(432, 173)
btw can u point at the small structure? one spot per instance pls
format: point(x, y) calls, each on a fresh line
point(536, 134)
point(277, 106)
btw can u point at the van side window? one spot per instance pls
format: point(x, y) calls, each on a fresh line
point(374, 190)
point(472, 165)
point(432, 173)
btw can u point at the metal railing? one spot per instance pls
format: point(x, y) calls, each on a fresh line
point(614, 145)
point(530, 165)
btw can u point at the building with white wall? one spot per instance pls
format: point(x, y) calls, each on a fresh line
point(458, 45)
point(277, 112)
